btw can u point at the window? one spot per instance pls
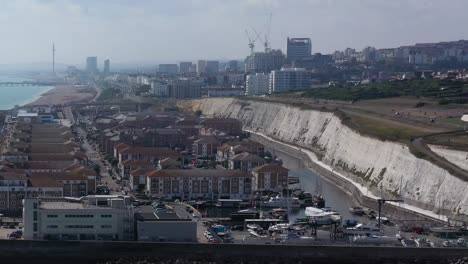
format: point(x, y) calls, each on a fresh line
point(35, 205)
point(35, 227)
point(79, 226)
point(78, 216)
point(52, 226)
point(106, 226)
point(52, 216)
point(106, 216)
point(35, 215)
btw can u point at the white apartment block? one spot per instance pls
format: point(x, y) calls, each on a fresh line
point(289, 79)
point(94, 217)
point(257, 84)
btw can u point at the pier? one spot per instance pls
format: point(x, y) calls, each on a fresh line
point(27, 83)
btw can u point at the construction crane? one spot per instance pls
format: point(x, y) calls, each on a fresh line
point(266, 42)
point(382, 201)
point(252, 40)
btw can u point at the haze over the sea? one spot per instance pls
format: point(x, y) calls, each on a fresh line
point(18, 95)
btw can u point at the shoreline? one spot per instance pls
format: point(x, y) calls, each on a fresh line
point(63, 94)
point(358, 193)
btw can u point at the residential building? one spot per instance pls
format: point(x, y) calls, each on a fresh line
point(289, 79)
point(159, 88)
point(184, 67)
point(298, 49)
point(212, 66)
point(270, 177)
point(245, 162)
point(205, 147)
point(149, 154)
point(199, 183)
point(106, 70)
point(168, 68)
point(265, 61)
point(201, 66)
point(91, 65)
point(229, 125)
point(257, 84)
point(184, 89)
point(95, 217)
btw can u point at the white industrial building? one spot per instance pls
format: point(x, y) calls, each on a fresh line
point(257, 84)
point(94, 217)
point(289, 79)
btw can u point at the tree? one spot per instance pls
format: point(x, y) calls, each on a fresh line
point(97, 169)
point(114, 162)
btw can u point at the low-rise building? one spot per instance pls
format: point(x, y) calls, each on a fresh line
point(245, 162)
point(229, 125)
point(199, 183)
point(100, 217)
point(270, 177)
point(164, 225)
point(205, 147)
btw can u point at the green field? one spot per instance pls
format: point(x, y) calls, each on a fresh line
point(446, 91)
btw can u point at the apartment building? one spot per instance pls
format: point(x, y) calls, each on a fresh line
point(199, 183)
point(270, 177)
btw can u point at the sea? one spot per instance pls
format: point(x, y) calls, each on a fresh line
point(10, 96)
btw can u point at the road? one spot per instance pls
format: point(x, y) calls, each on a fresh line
point(96, 158)
point(422, 148)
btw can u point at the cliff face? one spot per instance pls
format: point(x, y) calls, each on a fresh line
point(386, 168)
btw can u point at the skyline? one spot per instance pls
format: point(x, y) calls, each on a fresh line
point(138, 32)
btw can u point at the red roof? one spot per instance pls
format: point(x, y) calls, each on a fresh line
point(151, 152)
point(269, 168)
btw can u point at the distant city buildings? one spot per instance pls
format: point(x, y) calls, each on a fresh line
point(106, 70)
point(298, 49)
point(201, 66)
point(184, 67)
point(257, 84)
point(232, 65)
point(91, 65)
point(265, 61)
point(168, 68)
point(288, 79)
point(184, 89)
point(159, 88)
point(212, 67)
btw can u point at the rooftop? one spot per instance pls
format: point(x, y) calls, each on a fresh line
point(197, 173)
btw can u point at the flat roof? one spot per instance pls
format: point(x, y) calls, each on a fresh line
point(63, 205)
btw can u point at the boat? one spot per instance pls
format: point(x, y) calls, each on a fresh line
point(361, 229)
point(241, 215)
point(320, 217)
point(283, 202)
point(374, 239)
point(279, 227)
point(445, 231)
point(279, 212)
point(356, 210)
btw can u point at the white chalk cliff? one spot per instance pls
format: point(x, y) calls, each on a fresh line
point(385, 167)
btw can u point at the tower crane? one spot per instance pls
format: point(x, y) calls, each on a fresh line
point(252, 40)
point(266, 42)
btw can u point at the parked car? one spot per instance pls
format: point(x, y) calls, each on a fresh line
point(238, 228)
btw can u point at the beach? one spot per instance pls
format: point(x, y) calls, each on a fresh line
point(65, 94)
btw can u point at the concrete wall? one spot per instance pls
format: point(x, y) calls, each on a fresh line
point(91, 252)
point(385, 167)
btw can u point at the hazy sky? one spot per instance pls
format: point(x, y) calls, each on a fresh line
point(174, 30)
